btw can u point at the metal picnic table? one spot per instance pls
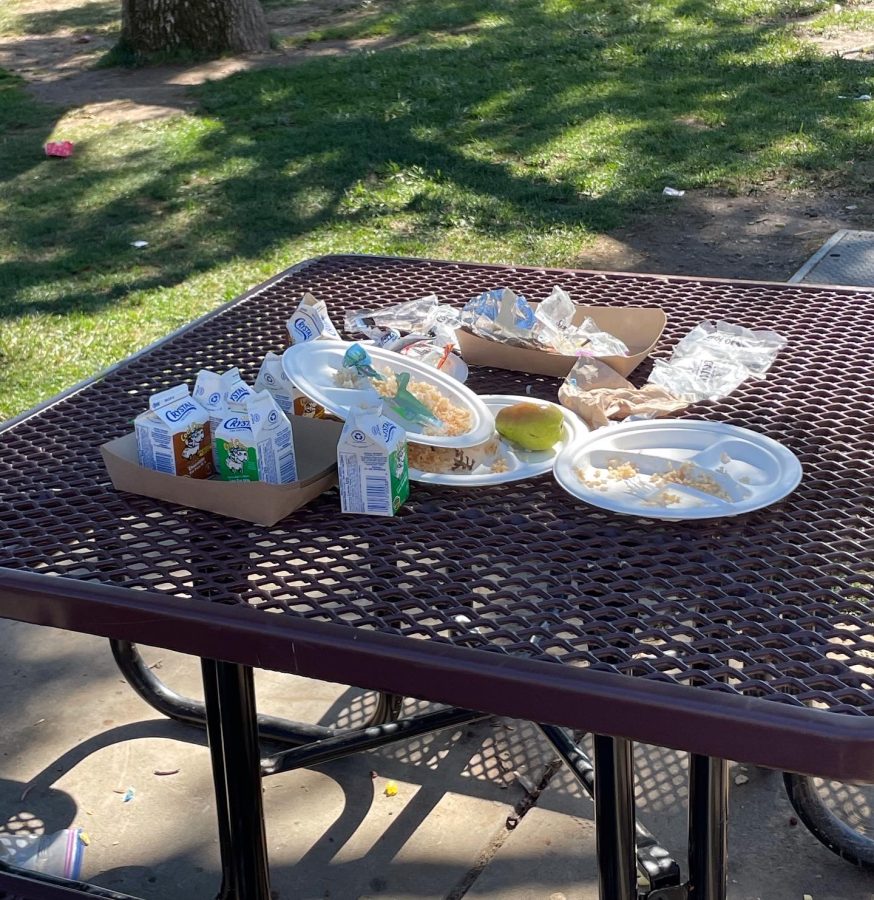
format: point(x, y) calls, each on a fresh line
point(743, 638)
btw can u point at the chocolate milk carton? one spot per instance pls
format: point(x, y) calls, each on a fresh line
point(257, 444)
point(174, 436)
point(372, 463)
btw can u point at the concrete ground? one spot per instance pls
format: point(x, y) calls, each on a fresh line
point(462, 823)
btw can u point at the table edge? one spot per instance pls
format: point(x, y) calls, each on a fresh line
point(746, 729)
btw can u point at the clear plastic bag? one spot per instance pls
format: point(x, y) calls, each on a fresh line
point(503, 316)
point(754, 350)
point(711, 361)
point(410, 316)
point(698, 377)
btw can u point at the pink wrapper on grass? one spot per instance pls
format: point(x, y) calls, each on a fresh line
point(59, 148)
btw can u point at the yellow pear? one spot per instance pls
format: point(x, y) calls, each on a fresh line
point(532, 426)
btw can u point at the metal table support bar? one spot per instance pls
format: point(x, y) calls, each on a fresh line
point(661, 870)
point(708, 828)
point(614, 819)
point(21, 884)
point(233, 742)
point(367, 739)
point(192, 712)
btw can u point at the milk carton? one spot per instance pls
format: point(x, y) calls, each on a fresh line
point(174, 436)
point(310, 321)
point(256, 444)
point(208, 393)
point(234, 390)
point(372, 463)
point(272, 378)
point(219, 395)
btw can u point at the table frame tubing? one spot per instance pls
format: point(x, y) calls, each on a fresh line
point(708, 828)
point(771, 734)
point(232, 730)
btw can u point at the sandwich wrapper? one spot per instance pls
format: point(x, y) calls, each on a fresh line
point(263, 504)
point(598, 395)
point(639, 328)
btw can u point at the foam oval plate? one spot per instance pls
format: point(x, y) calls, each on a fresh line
point(312, 366)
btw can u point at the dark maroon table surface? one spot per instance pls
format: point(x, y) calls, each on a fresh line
point(749, 638)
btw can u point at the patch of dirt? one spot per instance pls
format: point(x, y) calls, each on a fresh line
point(851, 44)
point(766, 235)
point(59, 64)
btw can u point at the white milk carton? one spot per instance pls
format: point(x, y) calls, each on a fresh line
point(310, 321)
point(272, 378)
point(372, 463)
point(235, 391)
point(208, 393)
point(257, 444)
point(174, 436)
point(220, 395)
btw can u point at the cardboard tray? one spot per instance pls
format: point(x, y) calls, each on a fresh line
point(638, 327)
point(263, 504)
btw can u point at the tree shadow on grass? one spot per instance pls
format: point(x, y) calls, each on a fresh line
point(539, 125)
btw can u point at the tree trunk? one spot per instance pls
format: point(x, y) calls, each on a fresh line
point(204, 26)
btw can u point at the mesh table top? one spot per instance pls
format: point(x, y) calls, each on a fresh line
point(773, 604)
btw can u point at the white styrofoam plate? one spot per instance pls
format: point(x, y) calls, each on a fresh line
point(312, 366)
point(754, 469)
point(520, 463)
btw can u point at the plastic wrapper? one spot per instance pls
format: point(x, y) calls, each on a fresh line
point(410, 316)
point(437, 353)
point(711, 361)
point(556, 330)
point(432, 340)
point(698, 376)
point(503, 316)
point(755, 350)
point(598, 395)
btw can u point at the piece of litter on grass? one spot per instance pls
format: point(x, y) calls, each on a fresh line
point(139, 245)
point(166, 771)
point(129, 794)
point(740, 779)
point(391, 789)
point(59, 148)
point(851, 206)
point(864, 97)
point(673, 192)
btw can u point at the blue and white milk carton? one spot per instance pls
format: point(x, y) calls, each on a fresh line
point(372, 463)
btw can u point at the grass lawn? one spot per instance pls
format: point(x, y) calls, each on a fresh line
point(498, 130)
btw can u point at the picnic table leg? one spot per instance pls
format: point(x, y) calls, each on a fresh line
point(708, 828)
point(229, 693)
point(614, 819)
